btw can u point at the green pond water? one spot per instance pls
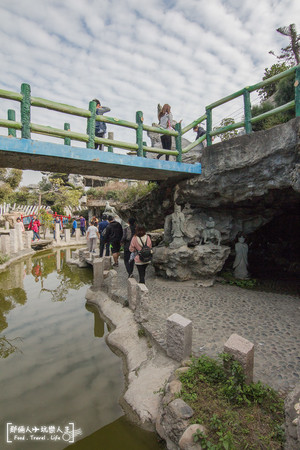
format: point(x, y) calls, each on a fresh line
point(58, 377)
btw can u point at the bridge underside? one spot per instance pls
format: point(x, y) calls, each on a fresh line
point(44, 156)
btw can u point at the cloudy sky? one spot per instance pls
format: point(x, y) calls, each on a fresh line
point(134, 54)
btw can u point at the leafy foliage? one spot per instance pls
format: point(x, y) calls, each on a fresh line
point(270, 89)
point(122, 193)
point(228, 134)
point(235, 414)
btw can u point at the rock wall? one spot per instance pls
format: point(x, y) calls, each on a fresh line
point(247, 183)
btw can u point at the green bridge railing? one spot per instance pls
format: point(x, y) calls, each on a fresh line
point(140, 147)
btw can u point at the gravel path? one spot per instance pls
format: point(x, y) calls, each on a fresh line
point(270, 320)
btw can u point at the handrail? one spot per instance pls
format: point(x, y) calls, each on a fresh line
point(139, 147)
point(247, 123)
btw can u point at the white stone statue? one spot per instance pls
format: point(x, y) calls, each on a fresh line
point(240, 264)
point(174, 228)
point(210, 233)
point(111, 211)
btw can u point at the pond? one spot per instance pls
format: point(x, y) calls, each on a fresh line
point(58, 377)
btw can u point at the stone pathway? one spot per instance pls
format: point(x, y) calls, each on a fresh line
point(271, 321)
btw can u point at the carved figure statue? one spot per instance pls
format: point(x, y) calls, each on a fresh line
point(240, 264)
point(210, 233)
point(111, 211)
point(174, 228)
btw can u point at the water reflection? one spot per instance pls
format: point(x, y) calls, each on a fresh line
point(98, 322)
point(64, 371)
point(121, 434)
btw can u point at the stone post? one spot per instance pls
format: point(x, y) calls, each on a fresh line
point(18, 227)
point(106, 263)
point(179, 337)
point(6, 225)
point(57, 232)
point(13, 241)
point(112, 281)
point(77, 234)
point(242, 351)
point(5, 244)
point(142, 298)
point(27, 239)
point(67, 235)
point(98, 272)
point(131, 292)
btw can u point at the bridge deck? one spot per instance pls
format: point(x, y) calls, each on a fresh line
point(44, 156)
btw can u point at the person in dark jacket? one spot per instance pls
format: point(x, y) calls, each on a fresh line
point(200, 132)
point(113, 236)
point(128, 234)
point(100, 127)
point(102, 226)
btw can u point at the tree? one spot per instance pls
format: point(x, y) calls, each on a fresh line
point(59, 193)
point(270, 89)
point(12, 177)
point(291, 53)
point(228, 134)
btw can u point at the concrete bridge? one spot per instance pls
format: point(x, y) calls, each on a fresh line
point(44, 156)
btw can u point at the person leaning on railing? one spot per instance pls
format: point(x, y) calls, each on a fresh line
point(166, 121)
point(100, 127)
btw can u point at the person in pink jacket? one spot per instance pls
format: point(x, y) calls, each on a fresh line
point(139, 239)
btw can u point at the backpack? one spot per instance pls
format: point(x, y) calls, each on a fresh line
point(101, 128)
point(145, 253)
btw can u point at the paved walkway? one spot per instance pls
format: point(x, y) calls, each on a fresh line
point(270, 320)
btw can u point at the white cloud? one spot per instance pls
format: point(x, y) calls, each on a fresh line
point(136, 53)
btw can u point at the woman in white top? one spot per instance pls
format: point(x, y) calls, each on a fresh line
point(91, 235)
point(139, 239)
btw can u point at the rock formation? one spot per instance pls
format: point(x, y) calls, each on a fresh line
point(248, 184)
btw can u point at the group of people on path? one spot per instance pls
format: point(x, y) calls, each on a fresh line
point(166, 122)
point(112, 236)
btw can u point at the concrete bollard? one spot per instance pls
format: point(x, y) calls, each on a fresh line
point(67, 235)
point(98, 272)
point(179, 337)
point(132, 292)
point(77, 234)
point(106, 263)
point(112, 281)
point(242, 351)
point(27, 239)
point(13, 241)
point(5, 244)
point(57, 232)
point(19, 236)
point(142, 298)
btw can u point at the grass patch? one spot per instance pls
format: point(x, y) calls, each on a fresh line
point(3, 258)
point(236, 415)
point(229, 278)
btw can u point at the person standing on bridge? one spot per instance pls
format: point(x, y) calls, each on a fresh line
point(166, 121)
point(100, 127)
point(91, 235)
point(82, 225)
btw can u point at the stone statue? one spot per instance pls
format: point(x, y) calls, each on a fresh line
point(210, 233)
point(240, 264)
point(174, 228)
point(110, 210)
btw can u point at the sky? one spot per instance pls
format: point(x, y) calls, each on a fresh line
point(134, 54)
